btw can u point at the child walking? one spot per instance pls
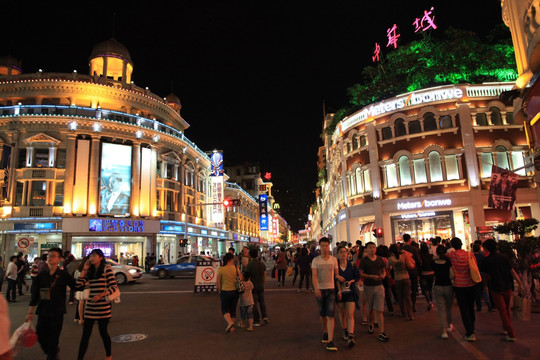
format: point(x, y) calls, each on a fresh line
point(246, 303)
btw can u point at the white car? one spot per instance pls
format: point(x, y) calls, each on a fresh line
point(125, 273)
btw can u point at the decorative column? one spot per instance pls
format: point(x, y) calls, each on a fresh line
point(93, 179)
point(69, 176)
point(135, 182)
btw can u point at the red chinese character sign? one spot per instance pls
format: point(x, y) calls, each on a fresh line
point(393, 36)
point(426, 22)
point(376, 53)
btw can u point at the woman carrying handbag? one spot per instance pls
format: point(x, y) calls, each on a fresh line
point(99, 277)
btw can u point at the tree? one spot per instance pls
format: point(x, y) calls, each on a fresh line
point(517, 227)
point(458, 57)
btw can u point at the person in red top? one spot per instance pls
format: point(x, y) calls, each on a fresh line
point(464, 286)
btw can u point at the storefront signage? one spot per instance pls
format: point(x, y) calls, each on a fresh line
point(113, 225)
point(418, 215)
point(173, 228)
point(263, 212)
point(34, 226)
point(411, 205)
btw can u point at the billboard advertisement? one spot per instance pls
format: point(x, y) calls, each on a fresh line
point(502, 189)
point(115, 179)
point(218, 215)
point(263, 212)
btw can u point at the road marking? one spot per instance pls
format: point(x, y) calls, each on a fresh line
point(477, 354)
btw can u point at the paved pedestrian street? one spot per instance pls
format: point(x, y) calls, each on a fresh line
point(164, 319)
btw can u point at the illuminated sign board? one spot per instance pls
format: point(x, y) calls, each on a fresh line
point(113, 225)
point(419, 215)
point(115, 179)
point(412, 205)
point(34, 226)
point(263, 212)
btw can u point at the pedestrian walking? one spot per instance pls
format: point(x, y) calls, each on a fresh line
point(481, 289)
point(21, 272)
point(226, 280)
point(443, 290)
point(501, 278)
point(11, 277)
point(398, 262)
point(325, 271)
point(427, 275)
point(2, 274)
point(464, 286)
point(99, 277)
point(410, 247)
point(246, 302)
point(372, 270)
point(49, 295)
point(389, 282)
point(257, 273)
point(5, 348)
point(295, 264)
point(347, 298)
point(303, 263)
point(281, 263)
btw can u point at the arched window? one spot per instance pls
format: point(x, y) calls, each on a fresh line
point(359, 182)
point(430, 123)
point(349, 147)
point(414, 127)
point(363, 140)
point(399, 128)
point(355, 142)
point(445, 122)
point(496, 118)
point(501, 157)
point(419, 171)
point(386, 133)
point(435, 166)
point(481, 119)
point(367, 181)
point(404, 171)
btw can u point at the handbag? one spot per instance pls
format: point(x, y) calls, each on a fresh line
point(114, 296)
point(82, 295)
point(289, 271)
point(473, 268)
point(239, 283)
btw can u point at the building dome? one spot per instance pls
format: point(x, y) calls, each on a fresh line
point(111, 59)
point(174, 102)
point(110, 47)
point(10, 66)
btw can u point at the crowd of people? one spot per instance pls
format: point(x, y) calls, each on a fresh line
point(372, 279)
point(92, 285)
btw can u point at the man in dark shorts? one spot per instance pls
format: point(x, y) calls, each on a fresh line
point(325, 270)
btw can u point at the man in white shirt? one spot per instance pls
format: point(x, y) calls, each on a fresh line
point(325, 270)
point(11, 276)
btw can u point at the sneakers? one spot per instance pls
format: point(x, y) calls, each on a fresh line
point(450, 328)
point(266, 320)
point(331, 347)
point(257, 324)
point(370, 329)
point(470, 338)
point(345, 335)
point(351, 341)
point(383, 337)
point(444, 336)
point(509, 338)
point(325, 338)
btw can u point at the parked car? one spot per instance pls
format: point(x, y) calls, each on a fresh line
point(122, 273)
point(185, 267)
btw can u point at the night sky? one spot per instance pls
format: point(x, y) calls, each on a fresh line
point(253, 77)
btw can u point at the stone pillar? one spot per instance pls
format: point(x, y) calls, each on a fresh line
point(136, 175)
point(69, 176)
point(93, 181)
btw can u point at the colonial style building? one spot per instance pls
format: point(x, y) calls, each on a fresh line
point(421, 163)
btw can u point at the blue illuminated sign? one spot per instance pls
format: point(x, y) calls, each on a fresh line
point(113, 225)
point(34, 226)
point(263, 212)
point(173, 228)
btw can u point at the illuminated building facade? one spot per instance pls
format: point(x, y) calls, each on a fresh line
point(96, 161)
point(421, 163)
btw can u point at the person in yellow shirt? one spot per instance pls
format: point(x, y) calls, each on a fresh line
point(228, 294)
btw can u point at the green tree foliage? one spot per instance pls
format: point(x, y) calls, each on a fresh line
point(458, 57)
point(517, 227)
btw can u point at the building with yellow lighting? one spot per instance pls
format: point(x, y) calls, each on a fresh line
point(96, 161)
point(421, 163)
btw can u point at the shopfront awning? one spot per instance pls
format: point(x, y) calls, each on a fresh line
point(366, 228)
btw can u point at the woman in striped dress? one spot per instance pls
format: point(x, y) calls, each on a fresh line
point(99, 277)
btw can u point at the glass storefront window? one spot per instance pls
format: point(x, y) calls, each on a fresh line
point(404, 171)
point(419, 171)
point(423, 225)
point(452, 169)
point(391, 176)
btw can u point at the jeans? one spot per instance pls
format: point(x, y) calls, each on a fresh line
point(413, 276)
point(465, 298)
point(388, 296)
point(479, 294)
point(258, 300)
point(444, 297)
point(307, 275)
point(403, 288)
point(87, 332)
point(295, 275)
point(426, 284)
point(281, 276)
point(502, 303)
point(326, 302)
point(48, 331)
point(11, 287)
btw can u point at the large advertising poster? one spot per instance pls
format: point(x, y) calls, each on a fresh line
point(115, 179)
point(502, 189)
